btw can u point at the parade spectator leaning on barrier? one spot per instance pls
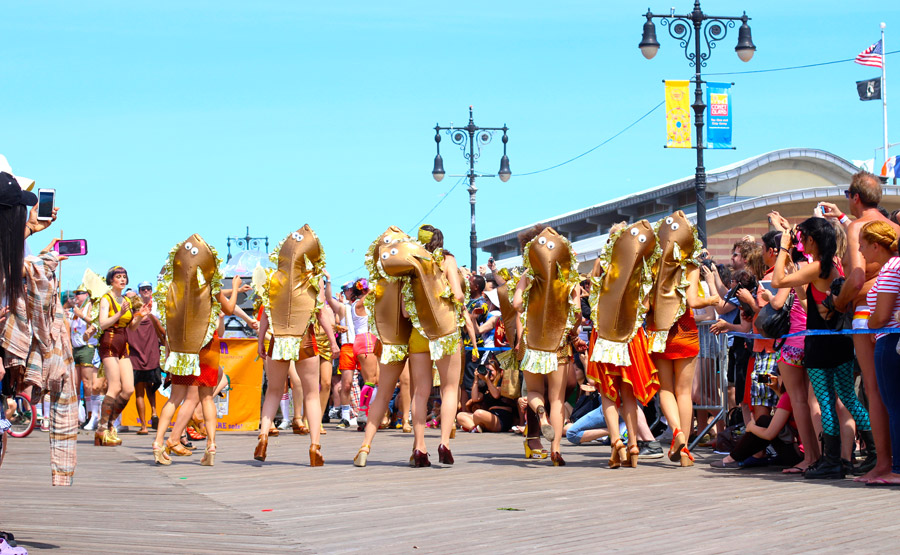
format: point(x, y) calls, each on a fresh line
point(863, 197)
point(828, 359)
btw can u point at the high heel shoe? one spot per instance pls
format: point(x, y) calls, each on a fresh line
point(362, 456)
point(686, 459)
point(419, 459)
point(534, 453)
point(179, 450)
point(209, 457)
point(159, 455)
point(618, 455)
point(98, 438)
point(112, 438)
point(260, 452)
point(453, 433)
point(315, 455)
point(546, 429)
point(299, 429)
point(557, 459)
point(678, 444)
point(631, 458)
point(444, 454)
point(407, 427)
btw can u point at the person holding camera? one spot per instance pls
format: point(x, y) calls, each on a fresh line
point(828, 359)
point(491, 412)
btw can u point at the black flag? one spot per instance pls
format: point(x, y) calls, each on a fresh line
point(869, 89)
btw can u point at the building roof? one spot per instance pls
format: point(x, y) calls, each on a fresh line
point(718, 181)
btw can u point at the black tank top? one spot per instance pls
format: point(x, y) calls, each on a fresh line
point(823, 351)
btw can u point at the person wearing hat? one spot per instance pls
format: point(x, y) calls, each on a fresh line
point(16, 224)
point(83, 351)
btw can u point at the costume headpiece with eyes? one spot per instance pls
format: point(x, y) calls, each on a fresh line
point(386, 319)
point(668, 302)
point(291, 291)
point(427, 297)
point(550, 311)
point(620, 282)
point(187, 296)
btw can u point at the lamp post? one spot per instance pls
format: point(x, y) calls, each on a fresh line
point(711, 29)
point(247, 243)
point(470, 139)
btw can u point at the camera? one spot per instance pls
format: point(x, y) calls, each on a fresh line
point(765, 378)
point(708, 263)
point(482, 370)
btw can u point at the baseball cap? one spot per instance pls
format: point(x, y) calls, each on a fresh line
point(12, 194)
point(143, 284)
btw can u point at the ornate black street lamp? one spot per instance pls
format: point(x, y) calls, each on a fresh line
point(470, 140)
point(247, 243)
point(711, 29)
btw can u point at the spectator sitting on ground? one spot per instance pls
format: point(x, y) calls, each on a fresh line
point(491, 412)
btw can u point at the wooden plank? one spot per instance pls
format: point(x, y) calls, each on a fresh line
point(123, 503)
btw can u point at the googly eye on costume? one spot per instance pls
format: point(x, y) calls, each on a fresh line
point(384, 256)
point(634, 231)
point(542, 241)
point(194, 250)
point(675, 227)
point(297, 236)
point(188, 246)
point(669, 220)
point(387, 240)
point(642, 239)
point(393, 252)
point(551, 245)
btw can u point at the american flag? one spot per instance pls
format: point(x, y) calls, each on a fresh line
point(871, 56)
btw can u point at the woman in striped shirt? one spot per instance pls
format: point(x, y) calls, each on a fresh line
point(878, 244)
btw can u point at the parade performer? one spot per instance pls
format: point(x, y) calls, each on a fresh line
point(510, 360)
point(393, 330)
point(671, 330)
point(114, 314)
point(620, 363)
point(293, 297)
point(433, 302)
point(189, 297)
point(546, 295)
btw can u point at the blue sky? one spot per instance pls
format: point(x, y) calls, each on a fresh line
point(156, 120)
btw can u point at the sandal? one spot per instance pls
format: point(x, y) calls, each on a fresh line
point(618, 454)
point(209, 457)
point(362, 456)
point(160, 455)
point(794, 470)
point(631, 458)
point(678, 444)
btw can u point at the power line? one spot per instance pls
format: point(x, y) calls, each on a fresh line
point(433, 208)
point(791, 67)
point(632, 124)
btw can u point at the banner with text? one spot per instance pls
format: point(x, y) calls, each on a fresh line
point(238, 407)
point(718, 99)
point(678, 114)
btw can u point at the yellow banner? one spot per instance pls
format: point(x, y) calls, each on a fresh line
point(678, 114)
point(239, 408)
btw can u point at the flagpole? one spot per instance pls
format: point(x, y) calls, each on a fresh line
point(884, 94)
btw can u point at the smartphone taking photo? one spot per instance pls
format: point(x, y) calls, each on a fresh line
point(71, 247)
point(46, 201)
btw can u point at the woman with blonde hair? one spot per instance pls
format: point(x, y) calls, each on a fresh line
point(878, 244)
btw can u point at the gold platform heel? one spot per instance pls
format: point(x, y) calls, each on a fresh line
point(362, 456)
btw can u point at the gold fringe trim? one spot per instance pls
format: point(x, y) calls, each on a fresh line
point(611, 352)
point(182, 364)
point(286, 348)
point(539, 362)
point(657, 341)
point(393, 353)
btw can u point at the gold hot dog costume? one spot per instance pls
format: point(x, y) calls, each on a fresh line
point(427, 297)
point(386, 319)
point(620, 282)
point(508, 360)
point(550, 311)
point(189, 309)
point(291, 292)
point(680, 248)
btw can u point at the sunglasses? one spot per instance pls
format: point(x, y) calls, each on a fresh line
point(847, 193)
point(145, 289)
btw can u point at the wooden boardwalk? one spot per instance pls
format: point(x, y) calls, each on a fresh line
point(123, 503)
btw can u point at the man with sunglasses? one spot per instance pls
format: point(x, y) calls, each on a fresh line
point(863, 197)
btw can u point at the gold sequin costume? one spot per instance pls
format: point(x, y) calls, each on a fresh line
point(385, 304)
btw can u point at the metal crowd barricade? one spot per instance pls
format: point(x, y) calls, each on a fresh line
point(710, 391)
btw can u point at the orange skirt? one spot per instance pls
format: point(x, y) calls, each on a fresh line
point(683, 340)
point(209, 367)
point(641, 375)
